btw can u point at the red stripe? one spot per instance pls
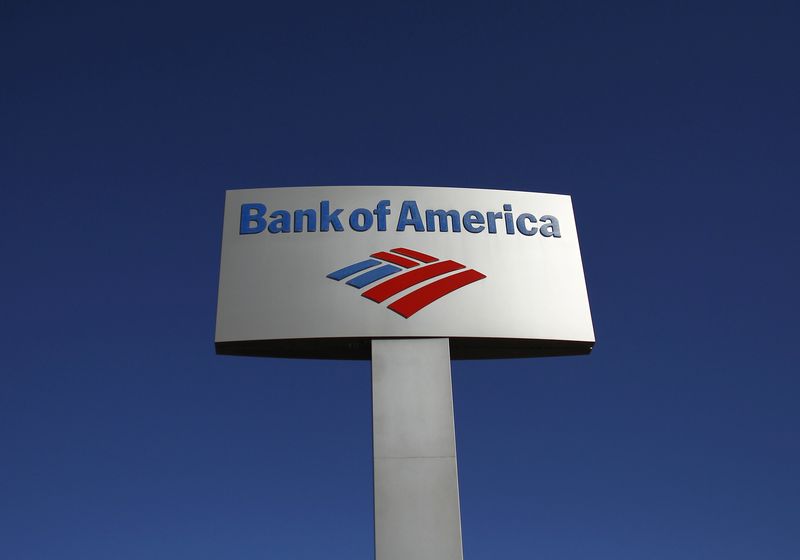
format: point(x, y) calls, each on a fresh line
point(394, 259)
point(415, 255)
point(416, 300)
point(388, 288)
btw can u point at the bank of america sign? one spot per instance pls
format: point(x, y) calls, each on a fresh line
point(350, 263)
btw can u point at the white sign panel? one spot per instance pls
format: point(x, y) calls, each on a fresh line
point(320, 271)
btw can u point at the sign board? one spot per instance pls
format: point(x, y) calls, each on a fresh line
point(321, 271)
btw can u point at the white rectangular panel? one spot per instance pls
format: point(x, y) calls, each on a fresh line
point(467, 264)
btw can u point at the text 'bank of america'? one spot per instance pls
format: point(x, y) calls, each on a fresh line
point(254, 218)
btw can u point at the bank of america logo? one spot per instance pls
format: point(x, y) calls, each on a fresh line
point(416, 268)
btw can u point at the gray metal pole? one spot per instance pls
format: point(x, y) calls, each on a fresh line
point(417, 515)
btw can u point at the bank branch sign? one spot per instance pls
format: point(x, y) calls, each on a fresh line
point(321, 271)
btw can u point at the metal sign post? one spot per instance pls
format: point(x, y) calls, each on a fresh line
point(417, 512)
point(405, 276)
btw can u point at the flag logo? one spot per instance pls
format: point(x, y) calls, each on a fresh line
point(399, 270)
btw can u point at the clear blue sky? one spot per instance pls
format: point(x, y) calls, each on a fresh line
point(675, 126)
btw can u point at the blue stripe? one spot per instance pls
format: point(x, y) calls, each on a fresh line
point(353, 268)
point(373, 275)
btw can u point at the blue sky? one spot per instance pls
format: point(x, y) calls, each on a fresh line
point(674, 126)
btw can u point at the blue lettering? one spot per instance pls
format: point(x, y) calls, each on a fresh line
point(253, 220)
point(381, 211)
point(280, 223)
point(509, 219)
point(250, 214)
point(521, 224)
point(311, 220)
point(491, 221)
point(409, 216)
point(365, 222)
point(551, 229)
point(473, 222)
point(327, 219)
point(455, 219)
